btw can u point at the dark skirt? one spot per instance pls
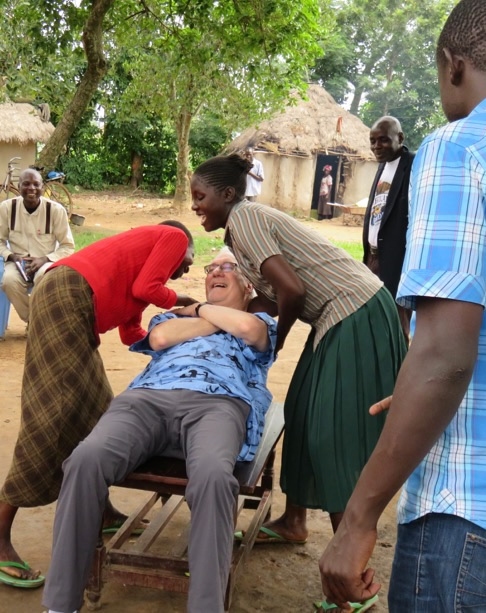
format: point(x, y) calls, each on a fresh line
point(64, 388)
point(329, 434)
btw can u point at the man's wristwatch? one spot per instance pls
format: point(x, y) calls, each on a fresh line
point(196, 310)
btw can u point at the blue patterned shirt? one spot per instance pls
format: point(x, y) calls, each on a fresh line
point(216, 364)
point(446, 258)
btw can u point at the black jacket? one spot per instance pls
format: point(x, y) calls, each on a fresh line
point(393, 227)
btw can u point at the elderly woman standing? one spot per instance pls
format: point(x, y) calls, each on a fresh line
point(352, 355)
point(324, 210)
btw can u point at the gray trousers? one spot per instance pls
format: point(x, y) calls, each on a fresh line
point(208, 431)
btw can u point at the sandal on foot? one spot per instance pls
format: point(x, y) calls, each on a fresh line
point(18, 581)
point(267, 536)
point(356, 607)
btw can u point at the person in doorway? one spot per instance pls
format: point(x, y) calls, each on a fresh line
point(255, 176)
point(34, 233)
point(386, 218)
point(324, 210)
point(203, 397)
point(434, 438)
point(65, 389)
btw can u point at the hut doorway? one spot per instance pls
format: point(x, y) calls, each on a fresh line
point(324, 160)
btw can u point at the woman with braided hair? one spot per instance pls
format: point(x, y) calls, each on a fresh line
point(352, 356)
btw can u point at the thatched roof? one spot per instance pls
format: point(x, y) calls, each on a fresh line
point(21, 123)
point(316, 125)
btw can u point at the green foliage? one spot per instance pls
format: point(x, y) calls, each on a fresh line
point(207, 138)
point(384, 59)
point(40, 53)
point(82, 161)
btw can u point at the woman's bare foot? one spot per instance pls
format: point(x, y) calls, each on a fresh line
point(289, 527)
point(8, 553)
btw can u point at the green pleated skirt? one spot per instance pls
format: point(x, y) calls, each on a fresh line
point(329, 434)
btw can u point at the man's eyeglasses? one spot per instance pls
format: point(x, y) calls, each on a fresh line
point(224, 267)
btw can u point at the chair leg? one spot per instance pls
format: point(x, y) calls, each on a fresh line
point(95, 579)
point(268, 478)
point(4, 313)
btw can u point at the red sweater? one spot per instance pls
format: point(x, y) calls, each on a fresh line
point(127, 272)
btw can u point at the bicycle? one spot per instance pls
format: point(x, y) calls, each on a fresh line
point(55, 190)
point(8, 188)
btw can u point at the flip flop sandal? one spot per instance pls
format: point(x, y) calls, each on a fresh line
point(114, 530)
point(271, 537)
point(356, 607)
point(17, 581)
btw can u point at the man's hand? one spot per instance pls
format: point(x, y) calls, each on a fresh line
point(344, 575)
point(15, 257)
point(32, 265)
point(382, 405)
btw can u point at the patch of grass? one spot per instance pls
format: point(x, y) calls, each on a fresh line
point(84, 237)
point(355, 250)
point(206, 247)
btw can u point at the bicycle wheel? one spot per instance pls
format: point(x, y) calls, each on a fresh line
point(12, 192)
point(57, 192)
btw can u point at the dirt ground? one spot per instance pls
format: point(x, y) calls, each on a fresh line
point(278, 577)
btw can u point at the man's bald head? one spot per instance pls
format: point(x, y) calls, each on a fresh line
point(386, 139)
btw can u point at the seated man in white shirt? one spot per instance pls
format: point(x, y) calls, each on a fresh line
point(34, 232)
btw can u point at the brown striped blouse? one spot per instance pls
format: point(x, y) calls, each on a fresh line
point(336, 284)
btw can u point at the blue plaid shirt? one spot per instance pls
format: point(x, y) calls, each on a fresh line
point(216, 364)
point(446, 258)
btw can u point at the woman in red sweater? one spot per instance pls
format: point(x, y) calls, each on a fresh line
point(65, 389)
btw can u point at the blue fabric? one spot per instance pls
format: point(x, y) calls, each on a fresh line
point(216, 364)
point(446, 258)
point(439, 567)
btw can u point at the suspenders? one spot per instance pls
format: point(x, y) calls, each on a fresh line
point(13, 215)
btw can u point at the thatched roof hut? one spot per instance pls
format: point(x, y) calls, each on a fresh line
point(296, 143)
point(21, 123)
point(21, 128)
point(318, 124)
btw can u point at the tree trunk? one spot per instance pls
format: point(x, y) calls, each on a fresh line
point(95, 71)
point(136, 165)
point(358, 93)
point(183, 127)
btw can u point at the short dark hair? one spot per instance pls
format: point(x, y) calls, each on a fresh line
point(464, 33)
point(177, 224)
point(225, 171)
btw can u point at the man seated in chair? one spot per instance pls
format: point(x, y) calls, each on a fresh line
point(202, 397)
point(34, 232)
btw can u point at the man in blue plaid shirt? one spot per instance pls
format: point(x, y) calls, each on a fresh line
point(434, 439)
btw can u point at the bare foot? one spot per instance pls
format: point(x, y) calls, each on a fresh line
point(8, 553)
point(112, 518)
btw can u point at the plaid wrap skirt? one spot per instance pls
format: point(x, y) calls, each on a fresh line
point(65, 389)
point(329, 434)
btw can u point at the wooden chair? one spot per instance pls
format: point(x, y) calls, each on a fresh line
point(131, 563)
